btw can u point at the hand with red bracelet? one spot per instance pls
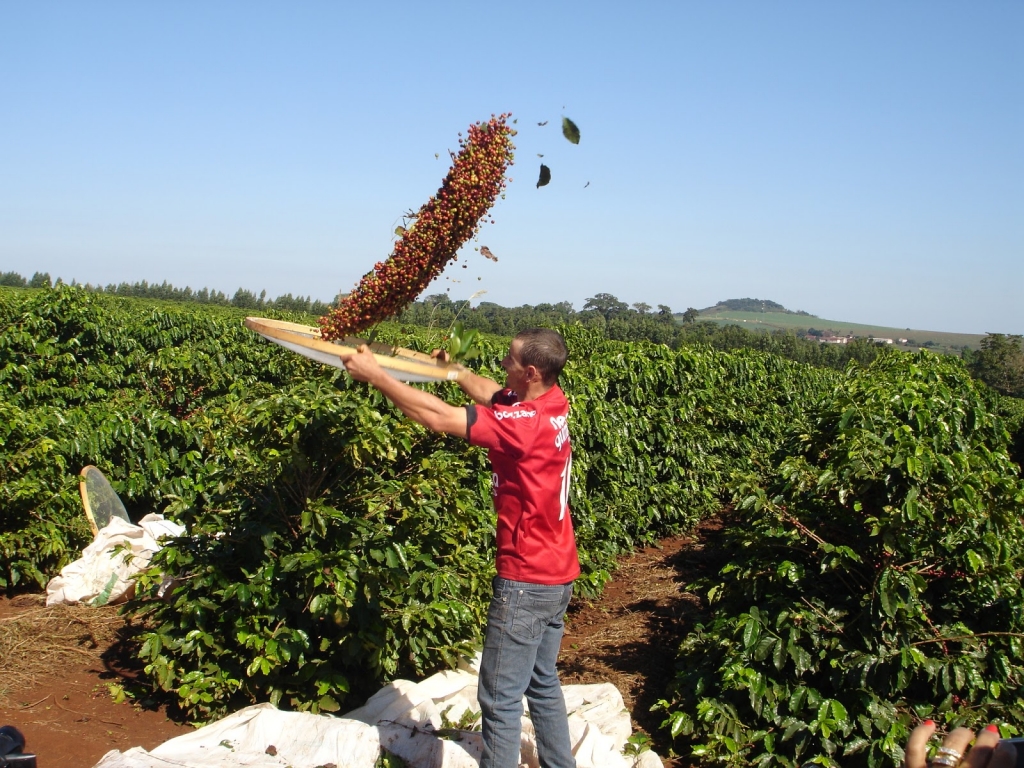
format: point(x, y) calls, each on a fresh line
point(956, 750)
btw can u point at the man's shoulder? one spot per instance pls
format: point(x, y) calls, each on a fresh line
point(504, 397)
point(507, 405)
point(552, 400)
point(508, 408)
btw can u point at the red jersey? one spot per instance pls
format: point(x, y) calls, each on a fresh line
point(531, 459)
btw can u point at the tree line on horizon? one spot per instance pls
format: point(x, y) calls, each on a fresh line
point(165, 291)
point(619, 321)
point(999, 362)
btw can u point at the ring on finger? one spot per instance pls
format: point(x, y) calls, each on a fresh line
point(947, 757)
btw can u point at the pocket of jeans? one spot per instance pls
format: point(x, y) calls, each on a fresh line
point(533, 612)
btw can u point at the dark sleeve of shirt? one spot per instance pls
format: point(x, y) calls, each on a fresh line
point(504, 397)
point(501, 397)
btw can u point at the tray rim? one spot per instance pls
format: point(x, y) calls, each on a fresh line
point(391, 358)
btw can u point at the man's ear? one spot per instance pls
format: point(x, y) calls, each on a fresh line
point(532, 374)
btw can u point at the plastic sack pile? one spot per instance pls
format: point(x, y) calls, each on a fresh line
point(404, 718)
point(105, 573)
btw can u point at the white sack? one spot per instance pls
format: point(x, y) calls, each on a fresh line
point(104, 574)
point(403, 718)
point(242, 739)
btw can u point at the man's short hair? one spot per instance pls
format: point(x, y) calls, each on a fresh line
point(545, 350)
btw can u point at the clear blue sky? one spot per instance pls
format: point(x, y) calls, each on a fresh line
point(862, 161)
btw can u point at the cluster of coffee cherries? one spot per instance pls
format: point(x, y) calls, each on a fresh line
point(442, 226)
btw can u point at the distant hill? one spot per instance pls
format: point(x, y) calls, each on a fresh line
point(751, 305)
point(764, 315)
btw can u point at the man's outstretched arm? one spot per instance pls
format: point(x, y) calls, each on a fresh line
point(422, 407)
point(480, 388)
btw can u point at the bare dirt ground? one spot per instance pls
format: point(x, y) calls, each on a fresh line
point(57, 664)
point(630, 636)
point(55, 668)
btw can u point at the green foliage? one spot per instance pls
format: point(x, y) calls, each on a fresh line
point(166, 292)
point(1011, 409)
point(85, 379)
point(40, 280)
point(461, 345)
point(874, 580)
point(615, 320)
point(874, 575)
point(350, 544)
point(13, 279)
point(607, 305)
point(454, 729)
point(33, 482)
point(636, 745)
point(657, 433)
point(330, 543)
point(754, 305)
point(370, 540)
point(1000, 363)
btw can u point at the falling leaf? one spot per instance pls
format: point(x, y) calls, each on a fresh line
point(586, 185)
point(539, 155)
point(545, 175)
point(544, 123)
point(486, 253)
point(570, 131)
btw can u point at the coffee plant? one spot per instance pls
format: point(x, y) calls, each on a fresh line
point(874, 581)
point(350, 545)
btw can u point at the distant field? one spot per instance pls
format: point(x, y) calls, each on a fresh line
point(771, 321)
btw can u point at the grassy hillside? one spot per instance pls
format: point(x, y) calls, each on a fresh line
point(792, 321)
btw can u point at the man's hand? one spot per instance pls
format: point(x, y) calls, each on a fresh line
point(442, 356)
point(363, 366)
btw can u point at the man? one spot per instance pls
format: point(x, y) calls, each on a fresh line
point(524, 427)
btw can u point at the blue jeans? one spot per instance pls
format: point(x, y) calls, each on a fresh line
point(524, 631)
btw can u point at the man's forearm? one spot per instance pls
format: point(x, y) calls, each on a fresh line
point(480, 388)
point(422, 407)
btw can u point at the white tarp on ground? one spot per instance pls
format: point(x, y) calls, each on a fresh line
point(404, 718)
point(106, 571)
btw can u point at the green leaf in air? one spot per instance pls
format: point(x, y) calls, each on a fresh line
point(570, 131)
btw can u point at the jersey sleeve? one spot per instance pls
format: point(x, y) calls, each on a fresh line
point(509, 429)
